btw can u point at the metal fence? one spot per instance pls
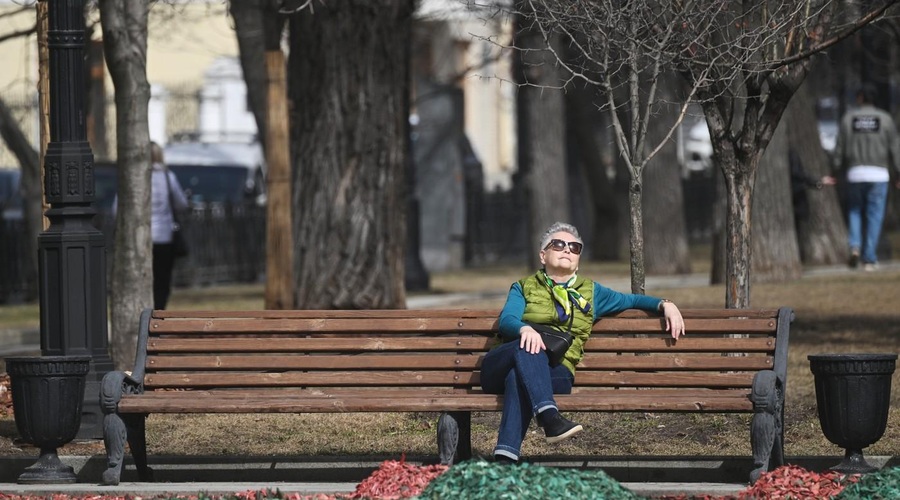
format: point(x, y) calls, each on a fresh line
point(227, 245)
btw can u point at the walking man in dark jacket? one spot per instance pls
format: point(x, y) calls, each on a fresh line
point(867, 146)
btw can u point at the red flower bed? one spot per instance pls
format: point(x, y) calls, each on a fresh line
point(788, 482)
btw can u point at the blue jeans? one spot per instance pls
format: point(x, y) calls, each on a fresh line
point(869, 200)
point(527, 383)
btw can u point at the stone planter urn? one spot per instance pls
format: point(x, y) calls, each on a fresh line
point(853, 396)
point(47, 394)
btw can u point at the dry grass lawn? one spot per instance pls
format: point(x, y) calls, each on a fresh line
point(835, 313)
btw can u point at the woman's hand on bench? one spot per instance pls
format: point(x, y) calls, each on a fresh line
point(674, 321)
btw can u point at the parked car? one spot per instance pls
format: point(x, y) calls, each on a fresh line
point(219, 172)
point(233, 184)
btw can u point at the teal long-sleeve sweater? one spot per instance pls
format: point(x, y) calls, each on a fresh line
point(606, 301)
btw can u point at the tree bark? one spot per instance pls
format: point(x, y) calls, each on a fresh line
point(776, 257)
point(821, 231)
point(279, 253)
point(125, 45)
point(258, 27)
point(542, 132)
point(350, 92)
point(666, 249)
point(589, 134)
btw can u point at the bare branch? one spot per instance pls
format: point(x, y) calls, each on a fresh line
point(856, 26)
point(20, 10)
point(17, 34)
point(289, 7)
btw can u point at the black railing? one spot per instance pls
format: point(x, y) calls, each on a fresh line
point(13, 276)
point(227, 243)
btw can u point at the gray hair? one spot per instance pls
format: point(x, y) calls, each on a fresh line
point(555, 228)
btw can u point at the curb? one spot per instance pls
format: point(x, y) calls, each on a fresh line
point(649, 476)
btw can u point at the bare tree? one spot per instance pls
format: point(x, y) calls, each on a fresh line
point(747, 63)
point(124, 25)
point(743, 62)
point(349, 85)
point(624, 49)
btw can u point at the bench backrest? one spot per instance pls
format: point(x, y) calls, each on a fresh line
point(442, 349)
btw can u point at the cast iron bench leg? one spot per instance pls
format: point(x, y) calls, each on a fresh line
point(114, 434)
point(454, 436)
point(766, 427)
point(137, 441)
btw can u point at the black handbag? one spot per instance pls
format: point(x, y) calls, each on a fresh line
point(556, 342)
point(179, 241)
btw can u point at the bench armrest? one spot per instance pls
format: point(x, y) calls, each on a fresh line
point(115, 384)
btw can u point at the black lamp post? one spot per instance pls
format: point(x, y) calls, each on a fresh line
point(71, 252)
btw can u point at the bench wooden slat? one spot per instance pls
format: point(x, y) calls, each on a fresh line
point(313, 325)
point(425, 392)
point(452, 324)
point(328, 314)
point(449, 343)
point(439, 313)
point(162, 403)
point(428, 378)
point(471, 361)
point(685, 344)
point(257, 344)
point(691, 325)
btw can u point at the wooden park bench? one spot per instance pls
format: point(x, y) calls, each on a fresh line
point(731, 361)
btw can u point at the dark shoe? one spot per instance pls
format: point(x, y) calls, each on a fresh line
point(504, 460)
point(558, 428)
point(854, 259)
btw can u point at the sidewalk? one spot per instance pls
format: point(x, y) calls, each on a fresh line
point(647, 476)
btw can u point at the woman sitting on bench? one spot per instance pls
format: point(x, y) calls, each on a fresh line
point(519, 367)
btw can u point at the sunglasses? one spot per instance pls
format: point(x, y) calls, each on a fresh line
point(560, 245)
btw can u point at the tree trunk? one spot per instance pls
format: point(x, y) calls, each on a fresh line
point(258, 27)
point(666, 249)
point(350, 91)
point(125, 44)
point(279, 251)
point(588, 131)
point(821, 231)
point(776, 257)
point(611, 221)
point(542, 133)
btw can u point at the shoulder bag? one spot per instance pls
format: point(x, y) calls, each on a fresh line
point(557, 342)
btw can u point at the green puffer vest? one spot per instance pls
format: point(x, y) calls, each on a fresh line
point(540, 308)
